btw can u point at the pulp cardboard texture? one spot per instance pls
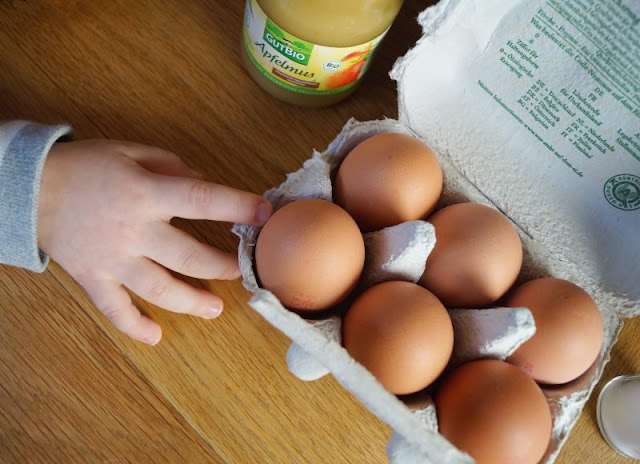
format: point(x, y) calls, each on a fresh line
point(533, 108)
point(398, 252)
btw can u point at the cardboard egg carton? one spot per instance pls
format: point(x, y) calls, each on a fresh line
point(457, 94)
point(395, 253)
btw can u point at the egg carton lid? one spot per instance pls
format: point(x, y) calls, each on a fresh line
point(541, 112)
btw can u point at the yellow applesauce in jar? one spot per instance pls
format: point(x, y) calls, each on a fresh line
point(313, 52)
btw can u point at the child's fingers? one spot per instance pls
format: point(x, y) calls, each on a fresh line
point(182, 253)
point(115, 303)
point(156, 285)
point(159, 161)
point(197, 199)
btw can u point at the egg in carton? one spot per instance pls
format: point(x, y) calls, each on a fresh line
point(491, 154)
point(395, 253)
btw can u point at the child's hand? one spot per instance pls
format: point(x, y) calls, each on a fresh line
point(104, 213)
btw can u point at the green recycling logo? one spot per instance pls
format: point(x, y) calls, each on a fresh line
point(623, 191)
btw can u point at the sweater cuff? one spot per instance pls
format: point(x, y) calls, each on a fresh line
point(23, 149)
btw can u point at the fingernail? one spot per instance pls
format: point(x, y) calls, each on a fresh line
point(237, 273)
point(151, 340)
point(264, 211)
point(212, 312)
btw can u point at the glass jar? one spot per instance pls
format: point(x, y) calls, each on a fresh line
point(313, 52)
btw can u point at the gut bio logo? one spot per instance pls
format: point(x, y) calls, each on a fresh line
point(291, 47)
point(623, 191)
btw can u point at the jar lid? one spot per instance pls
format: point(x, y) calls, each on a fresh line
point(618, 414)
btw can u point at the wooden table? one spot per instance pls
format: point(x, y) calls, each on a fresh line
point(73, 389)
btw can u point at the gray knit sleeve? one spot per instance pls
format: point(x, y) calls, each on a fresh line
point(23, 149)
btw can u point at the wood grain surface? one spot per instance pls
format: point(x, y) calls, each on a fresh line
point(72, 388)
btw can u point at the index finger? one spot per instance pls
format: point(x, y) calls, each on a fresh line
point(197, 199)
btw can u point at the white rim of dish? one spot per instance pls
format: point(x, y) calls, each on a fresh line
point(611, 383)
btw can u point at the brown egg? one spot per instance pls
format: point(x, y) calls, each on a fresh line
point(569, 330)
point(401, 333)
point(388, 179)
point(495, 412)
point(310, 254)
point(477, 256)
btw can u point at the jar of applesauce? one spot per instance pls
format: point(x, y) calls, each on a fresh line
point(313, 52)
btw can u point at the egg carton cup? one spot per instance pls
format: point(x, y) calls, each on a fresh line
point(400, 253)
